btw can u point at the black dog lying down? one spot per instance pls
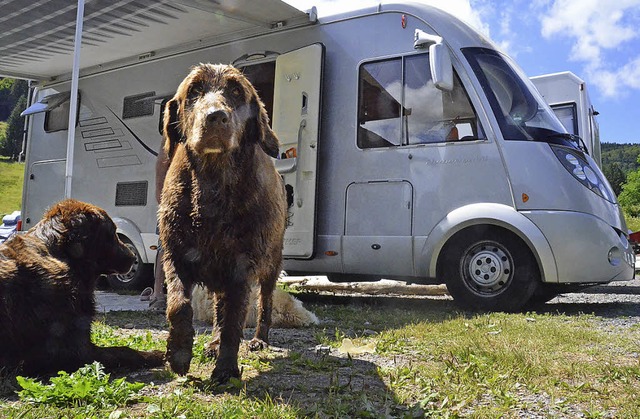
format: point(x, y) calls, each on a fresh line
point(47, 281)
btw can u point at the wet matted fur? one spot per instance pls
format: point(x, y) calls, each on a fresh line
point(47, 282)
point(222, 212)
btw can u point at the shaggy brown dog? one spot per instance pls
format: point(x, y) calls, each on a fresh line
point(47, 280)
point(222, 212)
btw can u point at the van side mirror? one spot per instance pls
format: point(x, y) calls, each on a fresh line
point(439, 59)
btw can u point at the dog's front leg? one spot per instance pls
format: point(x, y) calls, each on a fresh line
point(231, 310)
point(265, 306)
point(180, 317)
point(212, 348)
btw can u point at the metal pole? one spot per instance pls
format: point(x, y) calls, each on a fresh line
point(73, 104)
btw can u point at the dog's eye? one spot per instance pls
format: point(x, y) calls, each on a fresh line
point(236, 92)
point(194, 93)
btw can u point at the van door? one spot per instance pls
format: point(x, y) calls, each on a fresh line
point(296, 121)
point(45, 186)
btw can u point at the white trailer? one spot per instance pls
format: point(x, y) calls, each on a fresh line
point(568, 96)
point(412, 148)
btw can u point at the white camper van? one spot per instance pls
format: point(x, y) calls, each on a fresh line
point(568, 96)
point(412, 148)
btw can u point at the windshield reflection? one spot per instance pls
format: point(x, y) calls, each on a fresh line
point(520, 110)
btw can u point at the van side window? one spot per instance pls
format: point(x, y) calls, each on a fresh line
point(399, 105)
point(57, 118)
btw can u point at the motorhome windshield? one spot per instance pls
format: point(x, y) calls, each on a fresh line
point(522, 113)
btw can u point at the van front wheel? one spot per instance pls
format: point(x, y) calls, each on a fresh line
point(137, 278)
point(489, 269)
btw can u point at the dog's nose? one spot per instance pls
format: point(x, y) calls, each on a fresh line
point(218, 117)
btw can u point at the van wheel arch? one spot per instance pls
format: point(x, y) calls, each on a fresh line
point(488, 268)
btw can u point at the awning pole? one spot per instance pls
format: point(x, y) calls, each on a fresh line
point(73, 104)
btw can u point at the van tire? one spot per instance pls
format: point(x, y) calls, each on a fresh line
point(488, 269)
point(137, 278)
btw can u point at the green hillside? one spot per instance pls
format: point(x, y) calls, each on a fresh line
point(11, 177)
point(625, 155)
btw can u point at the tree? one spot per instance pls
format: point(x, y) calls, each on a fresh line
point(19, 89)
point(615, 175)
point(629, 198)
point(12, 144)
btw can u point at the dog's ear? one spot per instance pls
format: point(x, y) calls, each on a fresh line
point(79, 231)
point(266, 137)
point(171, 129)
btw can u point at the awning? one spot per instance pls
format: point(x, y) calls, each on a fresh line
point(37, 36)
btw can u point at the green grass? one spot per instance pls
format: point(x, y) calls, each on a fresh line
point(430, 360)
point(11, 180)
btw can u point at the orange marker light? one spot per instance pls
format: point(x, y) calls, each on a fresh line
point(331, 253)
point(525, 197)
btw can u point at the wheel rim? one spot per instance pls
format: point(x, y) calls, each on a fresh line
point(487, 268)
point(130, 276)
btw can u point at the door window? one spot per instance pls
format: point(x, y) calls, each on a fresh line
point(262, 76)
point(398, 104)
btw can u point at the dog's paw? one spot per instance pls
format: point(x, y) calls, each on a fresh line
point(212, 349)
point(223, 372)
point(256, 344)
point(179, 360)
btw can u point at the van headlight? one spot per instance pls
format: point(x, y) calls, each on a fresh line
point(587, 174)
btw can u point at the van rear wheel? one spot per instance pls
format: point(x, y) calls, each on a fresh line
point(489, 269)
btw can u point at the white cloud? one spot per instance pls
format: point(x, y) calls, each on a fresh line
point(596, 29)
point(611, 82)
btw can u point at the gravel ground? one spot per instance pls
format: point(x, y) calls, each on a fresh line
point(617, 302)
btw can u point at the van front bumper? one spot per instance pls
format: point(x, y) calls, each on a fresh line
point(585, 248)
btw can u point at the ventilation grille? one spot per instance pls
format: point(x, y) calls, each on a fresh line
point(138, 105)
point(131, 194)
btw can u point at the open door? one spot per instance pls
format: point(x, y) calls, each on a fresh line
point(296, 121)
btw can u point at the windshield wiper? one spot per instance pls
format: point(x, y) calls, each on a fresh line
point(570, 137)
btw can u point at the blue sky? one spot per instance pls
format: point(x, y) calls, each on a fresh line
point(597, 40)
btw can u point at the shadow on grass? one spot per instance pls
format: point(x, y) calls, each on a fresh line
point(318, 383)
point(127, 319)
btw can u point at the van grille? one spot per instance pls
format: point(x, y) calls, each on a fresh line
point(138, 105)
point(131, 194)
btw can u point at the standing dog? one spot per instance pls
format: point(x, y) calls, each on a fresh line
point(222, 212)
point(47, 281)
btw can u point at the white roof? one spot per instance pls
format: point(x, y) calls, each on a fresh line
point(37, 37)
